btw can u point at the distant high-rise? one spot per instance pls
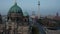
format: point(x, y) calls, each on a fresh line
point(38, 13)
point(57, 14)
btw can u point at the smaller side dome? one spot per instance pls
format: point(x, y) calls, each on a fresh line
point(26, 14)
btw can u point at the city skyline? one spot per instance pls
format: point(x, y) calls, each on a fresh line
point(47, 7)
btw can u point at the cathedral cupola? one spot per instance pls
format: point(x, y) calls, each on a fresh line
point(15, 13)
point(15, 9)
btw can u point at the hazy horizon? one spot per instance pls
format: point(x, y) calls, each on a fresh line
point(47, 7)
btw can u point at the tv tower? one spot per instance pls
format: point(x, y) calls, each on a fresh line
point(38, 13)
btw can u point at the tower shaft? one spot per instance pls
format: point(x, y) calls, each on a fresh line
point(38, 13)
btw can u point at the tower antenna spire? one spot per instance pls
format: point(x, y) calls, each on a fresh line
point(38, 13)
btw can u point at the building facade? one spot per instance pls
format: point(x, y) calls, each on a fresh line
point(16, 23)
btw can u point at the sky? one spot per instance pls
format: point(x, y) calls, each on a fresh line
point(47, 7)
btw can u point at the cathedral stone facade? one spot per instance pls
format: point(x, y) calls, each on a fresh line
point(16, 22)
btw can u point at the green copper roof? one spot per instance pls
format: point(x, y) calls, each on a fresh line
point(15, 9)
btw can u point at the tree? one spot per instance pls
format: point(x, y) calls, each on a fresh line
point(35, 30)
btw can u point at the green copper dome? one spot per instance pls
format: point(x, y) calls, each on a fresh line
point(15, 9)
point(26, 14)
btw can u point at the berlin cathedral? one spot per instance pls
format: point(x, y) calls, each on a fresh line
point(17, 22)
